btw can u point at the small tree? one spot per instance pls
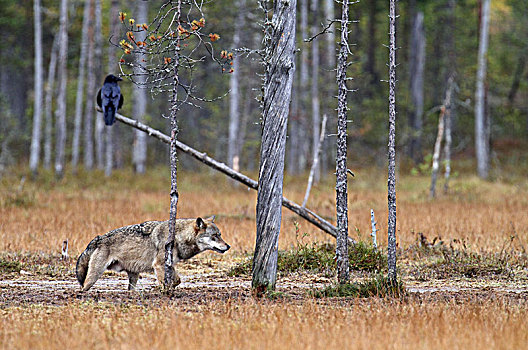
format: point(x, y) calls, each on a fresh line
point(175, 45)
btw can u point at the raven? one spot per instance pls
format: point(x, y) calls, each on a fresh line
point(109, 98)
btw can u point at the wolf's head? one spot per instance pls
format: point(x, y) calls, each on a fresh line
point(209, 237)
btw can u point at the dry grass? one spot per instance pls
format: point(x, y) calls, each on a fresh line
point(252, 325)
point(39, 216)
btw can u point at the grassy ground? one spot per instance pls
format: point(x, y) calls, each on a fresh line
point(462, 257)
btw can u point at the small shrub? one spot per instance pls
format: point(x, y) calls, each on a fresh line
point(9, 266)
point(379, 286)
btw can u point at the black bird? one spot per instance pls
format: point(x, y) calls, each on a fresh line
point(109, 98)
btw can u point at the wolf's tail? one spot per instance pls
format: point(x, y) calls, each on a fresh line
point(109, 114)
point(84, 259)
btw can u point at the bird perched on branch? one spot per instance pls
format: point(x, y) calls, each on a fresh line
point(109, 98)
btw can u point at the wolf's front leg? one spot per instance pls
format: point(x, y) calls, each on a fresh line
point(160, 275)
point(132, 280)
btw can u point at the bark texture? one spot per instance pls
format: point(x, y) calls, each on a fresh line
point(280, 68)
point(38, 84)
point(391, 183)
point(481, 133)
point(60, 114)
point(341, 160)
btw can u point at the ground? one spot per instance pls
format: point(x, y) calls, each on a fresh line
point(462, 259)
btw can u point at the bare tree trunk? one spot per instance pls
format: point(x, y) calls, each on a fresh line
point(233, 156)
point(90, 98)
point(481, 135)
point(416, 71)
point(316, 118)
point(140, 100)
point(315, 161)
point(80, 86)
point(303, 89)
point(115, 133)
point(280, 68)
point(293, 141)
point(436, 152)
point(169, 281)
point(48, 102)
point(37, 105)
point(391, 184)
point(98, 56)
point(370, 63)
point(341, 160)
point(60, 114)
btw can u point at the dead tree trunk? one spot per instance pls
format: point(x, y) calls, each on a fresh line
point(80, 86)
point(37, 105)
point(303, 90)
point(416, 71)
point(90, 98)
point(60, 114)
point(316, 117)
point(391, 184)
point(436, 152)
point(169, 281)
point(315, 161)
point(115, 133)
point(98, 66)
point(341, 160)
point(139, 153)
point(280, 68)
point(481, 134)
point(48, 103)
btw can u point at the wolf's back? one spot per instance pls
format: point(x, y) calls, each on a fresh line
point(84, 259)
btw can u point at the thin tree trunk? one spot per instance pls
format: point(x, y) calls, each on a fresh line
point(90, 98)
point(234, 99)
point(370, 63)
point(140, 99)
point(115, 136)
point(341, 159)
point(517, 76)
point(303, 89)
point(448, 138)
point(80, 86)
point(98, 66)
point(48, 107)
point(436, 152)
point(416, 70)
point(280, 68)
point(391, 184)
point(315, 161)
point(316, 117)
point(60, 114)
point(481, 135)
point(37, 105)
point(169, 245)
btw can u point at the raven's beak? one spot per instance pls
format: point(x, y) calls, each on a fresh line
point(119, 79)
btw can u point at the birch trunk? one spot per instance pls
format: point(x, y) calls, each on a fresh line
point(140, 99)
point(416, 70)
point(233, 156)
point(98, 66)
point(37, 104)
point(436, 152)
point(316, 118)
point(280, 68)
point(115, 133)
point(80, 85)
point(60, 113)
point(315, 161)
point(341, 159)
point(481, 134)
point(48, 107)
point(169, 245)
point(391, 183)
point(90, 98)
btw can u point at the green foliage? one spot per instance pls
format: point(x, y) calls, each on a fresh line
point(7, 266)
point(378, 286)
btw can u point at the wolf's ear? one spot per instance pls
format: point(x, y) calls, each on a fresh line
point(211, 218)
point(200, 224)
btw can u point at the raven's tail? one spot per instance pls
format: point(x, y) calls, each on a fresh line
point(109, 115)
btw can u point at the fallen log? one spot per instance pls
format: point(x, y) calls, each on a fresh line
point(307, 214)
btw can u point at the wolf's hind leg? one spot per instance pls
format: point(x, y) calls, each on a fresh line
point(96, 267)
point(132, 280)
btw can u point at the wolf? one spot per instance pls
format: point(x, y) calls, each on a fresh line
point(141, 248)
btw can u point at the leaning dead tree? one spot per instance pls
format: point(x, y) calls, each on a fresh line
point(391, 184)
point(175, 44)
point(279, 62)
point(341, 160)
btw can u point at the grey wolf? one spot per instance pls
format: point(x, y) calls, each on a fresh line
point(141, 248)
point(109, 98)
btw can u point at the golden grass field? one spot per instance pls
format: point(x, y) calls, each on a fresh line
point(36, 217)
